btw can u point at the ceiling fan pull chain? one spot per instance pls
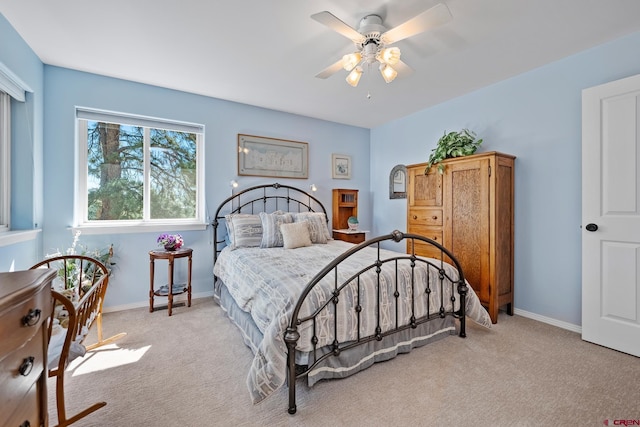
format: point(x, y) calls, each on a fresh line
point(368, 82)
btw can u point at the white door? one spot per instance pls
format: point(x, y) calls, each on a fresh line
point(611, 215)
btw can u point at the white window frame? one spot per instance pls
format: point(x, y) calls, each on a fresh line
point(5, 162)
point(81, 221)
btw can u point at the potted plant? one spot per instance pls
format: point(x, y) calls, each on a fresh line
point(452, 144)
point(171, 242)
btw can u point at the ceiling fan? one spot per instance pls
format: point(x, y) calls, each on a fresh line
point(372, 40)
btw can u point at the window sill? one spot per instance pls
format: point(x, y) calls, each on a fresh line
point(141, 228)
point(18, 236)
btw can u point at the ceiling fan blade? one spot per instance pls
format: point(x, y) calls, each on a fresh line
point(403, 69)
point(430, 18)
point(331, 21)
point(330, 70)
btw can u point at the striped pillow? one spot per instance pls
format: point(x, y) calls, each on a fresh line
point(244, 230)
point(271, 234)
point(317, 225)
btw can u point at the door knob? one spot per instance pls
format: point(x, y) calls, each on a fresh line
point(591, 227)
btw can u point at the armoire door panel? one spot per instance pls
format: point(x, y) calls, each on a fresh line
point(467, 225)
point(424, 190)
point(504, 228)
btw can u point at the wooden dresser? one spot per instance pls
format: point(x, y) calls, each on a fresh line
point(469, 210)
point(25, 306)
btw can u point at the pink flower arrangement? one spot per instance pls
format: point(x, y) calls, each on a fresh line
point(170, 240)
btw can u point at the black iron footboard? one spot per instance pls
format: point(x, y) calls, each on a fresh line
point(419, 290)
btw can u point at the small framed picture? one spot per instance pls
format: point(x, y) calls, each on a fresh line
point(340, 166)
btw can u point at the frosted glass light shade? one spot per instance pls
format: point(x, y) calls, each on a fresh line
point(388, 73)
point(354, 76)
point(351, 60)
point(389, 56)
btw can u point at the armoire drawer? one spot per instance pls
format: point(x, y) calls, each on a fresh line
point(433, 233)
point(425, 217)
point(422, 248)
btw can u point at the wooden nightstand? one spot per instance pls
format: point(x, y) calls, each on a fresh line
point(349, 235)
point(345, 205)
point(175, 289)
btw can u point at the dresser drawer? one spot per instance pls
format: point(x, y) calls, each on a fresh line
point(424, 216)
point(27, 413)
point(20, 322)
point(29, 359)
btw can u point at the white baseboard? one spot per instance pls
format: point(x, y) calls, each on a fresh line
point(549, 320)
point(208, 294)
point(177, 298)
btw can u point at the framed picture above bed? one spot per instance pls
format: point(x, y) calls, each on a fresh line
point(263, 156)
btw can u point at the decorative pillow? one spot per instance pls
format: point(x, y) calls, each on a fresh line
point(271, 234)
point(245, 230)
point(295, 235)
point(317, 225)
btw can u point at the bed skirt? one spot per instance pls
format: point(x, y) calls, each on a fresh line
point(348, 362)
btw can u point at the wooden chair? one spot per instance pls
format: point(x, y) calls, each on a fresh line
point(90, 277)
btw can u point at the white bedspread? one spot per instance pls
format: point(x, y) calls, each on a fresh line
point(268, 282)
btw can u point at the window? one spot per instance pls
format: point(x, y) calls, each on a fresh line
point(13, 99)
point(10, 87)
point(135, 170)
point(5, 161)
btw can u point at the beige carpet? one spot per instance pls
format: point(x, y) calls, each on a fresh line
point(190, 370)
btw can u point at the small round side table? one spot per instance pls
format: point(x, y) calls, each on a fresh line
point(170, 291)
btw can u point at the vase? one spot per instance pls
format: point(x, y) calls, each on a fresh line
point(170, 248)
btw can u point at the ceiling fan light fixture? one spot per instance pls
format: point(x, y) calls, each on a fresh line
point(388, 73)
point(389, 56)
point(350, 61)
point(354, 76)
point(371, 39)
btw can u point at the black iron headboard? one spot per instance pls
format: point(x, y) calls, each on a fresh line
point(262, 198)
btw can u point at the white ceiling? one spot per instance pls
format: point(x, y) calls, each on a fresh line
point(266, 53)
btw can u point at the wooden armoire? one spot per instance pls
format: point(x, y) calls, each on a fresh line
point(469, 210)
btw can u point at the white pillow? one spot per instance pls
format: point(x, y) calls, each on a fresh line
point(295, 235)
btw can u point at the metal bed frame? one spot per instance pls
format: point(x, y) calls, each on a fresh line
point(261, 198)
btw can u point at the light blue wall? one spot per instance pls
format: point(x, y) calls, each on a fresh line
point(537, 117)
point(26, 150)
point(223, 120)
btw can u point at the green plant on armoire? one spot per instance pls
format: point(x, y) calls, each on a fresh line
point(452, 144)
